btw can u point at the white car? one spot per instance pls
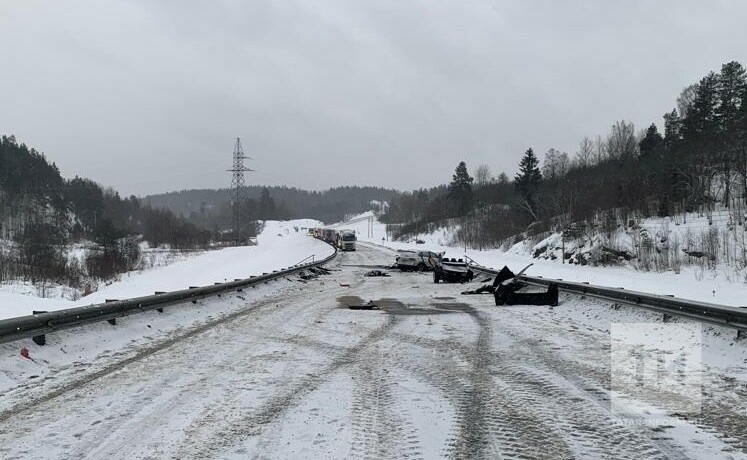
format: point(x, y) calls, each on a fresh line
point(417, 260)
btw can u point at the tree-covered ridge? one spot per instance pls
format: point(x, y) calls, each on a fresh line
point(42, 214)
point(699, 162)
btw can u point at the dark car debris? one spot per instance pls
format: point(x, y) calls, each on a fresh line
point(376, 273)
point(368, 306)
point(505, 287)
point(507, 297)
point(312, 273)
point(504, 275)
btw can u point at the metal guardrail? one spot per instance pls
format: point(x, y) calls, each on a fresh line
point(721, 315)
point(22, 327)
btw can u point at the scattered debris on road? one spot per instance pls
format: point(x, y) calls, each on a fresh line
point(313, 273)
point(376, 273)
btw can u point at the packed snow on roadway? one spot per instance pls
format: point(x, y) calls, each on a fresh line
point(286, 370)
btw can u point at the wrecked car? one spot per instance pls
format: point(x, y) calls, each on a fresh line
point(410, 260)
point(452, 271)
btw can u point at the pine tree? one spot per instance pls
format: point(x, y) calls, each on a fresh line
point(731, 87)
point(701, 121)
point(672, 128)
point(460, 189)
point(527, 181)
point(652, 142)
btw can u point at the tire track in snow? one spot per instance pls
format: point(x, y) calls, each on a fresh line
point(593, 381)
point(497, 428)
point(238, 426)
point(524, 408)
point(143, 353)
point(379, 431)
point(557, 389)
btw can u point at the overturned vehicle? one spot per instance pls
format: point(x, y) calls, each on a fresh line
point(452, 271)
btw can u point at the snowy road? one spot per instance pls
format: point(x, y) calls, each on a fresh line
point(432, 375)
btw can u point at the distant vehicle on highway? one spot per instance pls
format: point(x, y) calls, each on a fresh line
point(346, 240)
point(413, 260)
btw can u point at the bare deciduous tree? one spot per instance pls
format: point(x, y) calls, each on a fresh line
point(622, 141)
point(686, 99)
point(555, 164)
point(600, 150)
point(483, 176)
point(585, 155)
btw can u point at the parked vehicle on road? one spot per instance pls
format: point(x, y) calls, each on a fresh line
point(452, 271)
point(329, 235)
point(412, 260)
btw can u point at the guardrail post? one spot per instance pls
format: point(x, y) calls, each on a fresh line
point(741, 334)
point(160, 310)
point(40, 340)
point(112, 321)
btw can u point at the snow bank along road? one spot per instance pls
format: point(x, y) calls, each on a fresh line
point(431, 375)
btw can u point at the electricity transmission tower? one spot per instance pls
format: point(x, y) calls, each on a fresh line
point(237, 187)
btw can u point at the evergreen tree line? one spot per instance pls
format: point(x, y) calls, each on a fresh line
point(697, 163)
point(42, 214)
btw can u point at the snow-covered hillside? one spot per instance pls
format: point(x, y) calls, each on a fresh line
point(281, 244)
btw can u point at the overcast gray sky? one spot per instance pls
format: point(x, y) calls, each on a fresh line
point(148, 96)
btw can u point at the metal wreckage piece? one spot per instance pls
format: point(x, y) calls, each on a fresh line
point(506, 285)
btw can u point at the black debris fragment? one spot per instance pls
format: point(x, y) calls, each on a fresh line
point(368, 306)
point(503, 296)
point(313, 273)
point(503, 278)
point(505, 287)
